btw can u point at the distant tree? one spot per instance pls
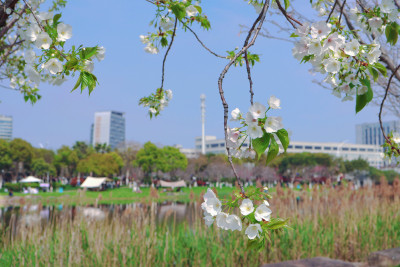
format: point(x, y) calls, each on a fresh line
point(46, 154)
point(5, 155)
point(22, 154)
point(173, 160)
point(102, 148)
point(66, 161)
point(41, 168)
point(356, 165)
point(127, 152)
point(149, 159)
point(101, 164)
point(82, 149)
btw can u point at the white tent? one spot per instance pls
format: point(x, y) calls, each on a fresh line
point(94, 182)
point(180, 183)
point(31, 179)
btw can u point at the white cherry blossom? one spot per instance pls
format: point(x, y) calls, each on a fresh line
point(101, 53)
point(253, 231)
point(167, 23)
point(221, 220)
point(331, 65)
point(375, 23)
point(257, 110)
point(233, 223)
point(320, 30)
point(273, 124)
point(254, 131)
point(43, 40)
point(246, 207)
point(387, 6)
point(235, 114)
point(54, 66)
point(191, 11)
point(262, 213)
point(352, 48)
point(64, 32)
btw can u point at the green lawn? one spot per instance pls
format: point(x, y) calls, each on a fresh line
point(118, 196)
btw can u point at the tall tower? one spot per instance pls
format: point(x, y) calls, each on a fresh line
point(203, 123)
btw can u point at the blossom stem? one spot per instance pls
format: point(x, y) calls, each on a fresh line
point(166, 54)
point(247, 44)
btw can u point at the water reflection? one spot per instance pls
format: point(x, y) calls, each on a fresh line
point(163, 213)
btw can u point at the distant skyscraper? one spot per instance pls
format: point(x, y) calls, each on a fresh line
point(6, 127)
point(370, 133)
point(109, 128)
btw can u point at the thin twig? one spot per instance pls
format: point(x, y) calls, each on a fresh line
point(383, 102)
point(330, 14)
point(205, 47)
point(341, 11)
point(260, 20)
point(249, 77)
point(166, 54)
point(287, 16)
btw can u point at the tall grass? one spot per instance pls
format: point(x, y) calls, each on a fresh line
point(337, 223)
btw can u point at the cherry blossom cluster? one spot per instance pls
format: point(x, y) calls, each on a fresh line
point(255, 124)
point(186, 11)
point(156, 102)
point(257, 218)
point(331, 51)
point(376, 19)
point(42, 55)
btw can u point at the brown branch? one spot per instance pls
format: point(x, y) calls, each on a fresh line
point(166, 54)
point(7, 27)
point(341, 11)
point(330, 14)
point(383, 102)
point(202, 44)
point(260, 20)
point(249, 77)
point(287, 16)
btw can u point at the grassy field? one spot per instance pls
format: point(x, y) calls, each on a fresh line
point(337, 223)
point(120, 195)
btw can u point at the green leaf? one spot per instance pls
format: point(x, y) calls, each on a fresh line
point(293, 35)
point(198, 9)
point(179, 10)
point(164, 42)
point(381, 68)
point(272, 151)
point(88, 52)
point(363, 100)
point(277, 223)
point(287, 4)
point(78, 82)
point(261, 144)
point(392, 33)
point(374, 72)
point(56, 18)
point(283, 137)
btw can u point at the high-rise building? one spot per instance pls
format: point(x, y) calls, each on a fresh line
point(370, 133)
point(109, 128)
point(6, 123)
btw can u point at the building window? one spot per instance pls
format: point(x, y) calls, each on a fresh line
point(362, 149)
point(327, 148)
point(308, 147)
point(214, 145)
point(207, 146)
point(290, 146)
point(317, 148)
point(245, 145)
point(370, 150)
point(353, 149)
point(298, 147)
point(335, 148)
point(222, 144)
point(345, 149)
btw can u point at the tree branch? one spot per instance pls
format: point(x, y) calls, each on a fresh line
point(166, 54)
point(260, 20)
point(205, 47)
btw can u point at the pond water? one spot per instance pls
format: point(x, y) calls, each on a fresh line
point(163, 213)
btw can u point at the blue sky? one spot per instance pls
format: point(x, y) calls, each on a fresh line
point(128, 73)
